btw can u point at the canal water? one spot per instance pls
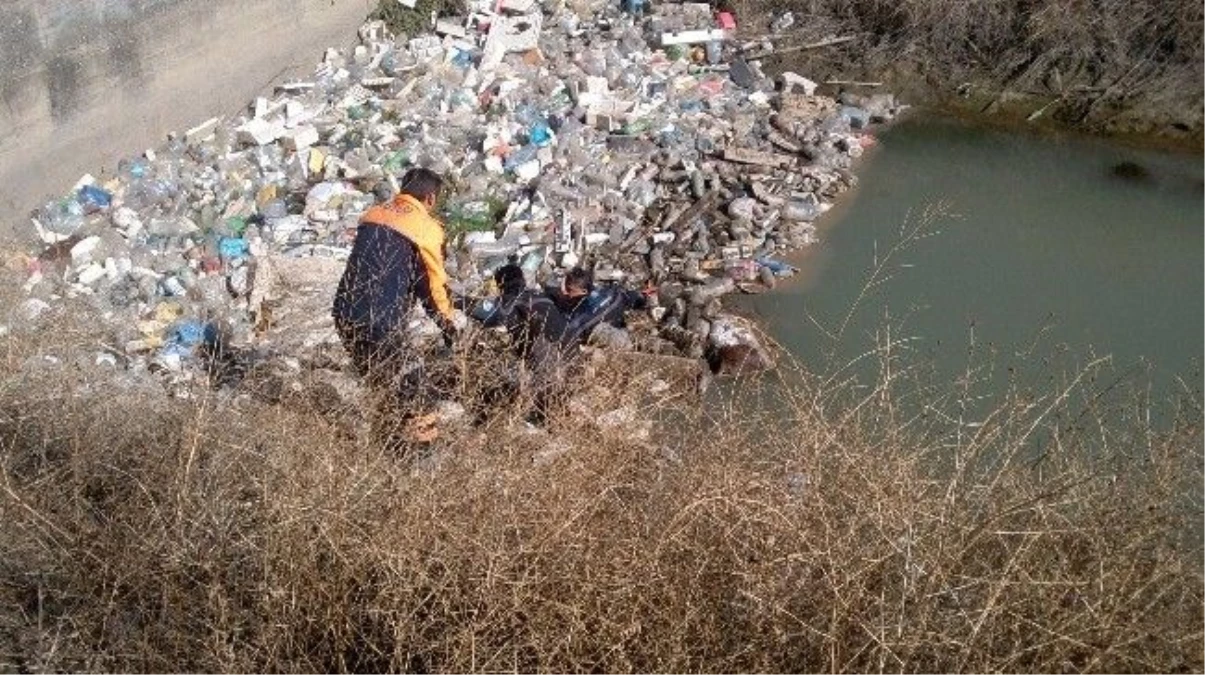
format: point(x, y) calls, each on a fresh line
point(971, 246)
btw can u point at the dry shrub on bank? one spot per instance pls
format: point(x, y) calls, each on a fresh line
point(1132, 61)
point(822, 528)
point(412, 21)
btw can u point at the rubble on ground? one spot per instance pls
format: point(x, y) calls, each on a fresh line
point(639, 143)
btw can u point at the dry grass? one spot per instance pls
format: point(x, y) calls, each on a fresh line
point(818, 528)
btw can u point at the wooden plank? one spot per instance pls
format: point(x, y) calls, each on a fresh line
point(697, 209)
point(782, 141)
point(757, 157)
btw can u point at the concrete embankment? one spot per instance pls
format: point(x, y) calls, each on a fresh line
point(86, 82)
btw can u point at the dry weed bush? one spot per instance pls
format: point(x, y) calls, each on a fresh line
point(1121, 65)
point(411, 22)
point(801, 525)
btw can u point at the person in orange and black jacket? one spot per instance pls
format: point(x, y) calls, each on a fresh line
point(396, 260)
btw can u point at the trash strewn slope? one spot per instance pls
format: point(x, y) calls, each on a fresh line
point(644, 146)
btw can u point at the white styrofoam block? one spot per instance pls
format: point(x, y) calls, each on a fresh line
point(259, 132)
point(300, 138)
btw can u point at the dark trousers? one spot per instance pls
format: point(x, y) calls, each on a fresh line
point(549, 366)
point(391, 367)
point(537, 378)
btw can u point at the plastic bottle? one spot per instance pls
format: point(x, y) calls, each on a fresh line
point(148, 193)
point(63, 216)
point(520, 157)
point(540, 134)
point(396, 162)
point(134, 169)
point(532, 261)
point(483, 310)
point(273, 209)
point(463, 59)
point(569, 22)
point(642, 192)
point(634, 7)
point(494, 249)
point(798, 210)
point(637, 127)
point(594, 63)
point(172, 287)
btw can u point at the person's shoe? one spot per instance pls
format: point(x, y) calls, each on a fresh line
point(422, 428)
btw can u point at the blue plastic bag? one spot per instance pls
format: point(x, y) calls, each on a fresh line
point(94, 199)
point(188, 334)
point(232, 248)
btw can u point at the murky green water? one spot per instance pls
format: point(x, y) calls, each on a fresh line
point(1051, 261)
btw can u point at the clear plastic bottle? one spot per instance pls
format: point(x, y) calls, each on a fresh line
point(800, 210)
point(521, 156)
point(274, 209)
point(132, 169)
point(62, 216)
point(593, 62)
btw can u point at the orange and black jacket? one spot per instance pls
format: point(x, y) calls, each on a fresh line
point(397, 258)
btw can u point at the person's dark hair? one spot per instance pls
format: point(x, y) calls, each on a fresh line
point(421, 183)
point(579, 278)
point(510, 279)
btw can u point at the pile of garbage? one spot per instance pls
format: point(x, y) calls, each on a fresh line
point(639, 143)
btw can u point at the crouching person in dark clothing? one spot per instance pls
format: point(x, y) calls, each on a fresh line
point(396, 260)
point(595, 314)
point(538, 331)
